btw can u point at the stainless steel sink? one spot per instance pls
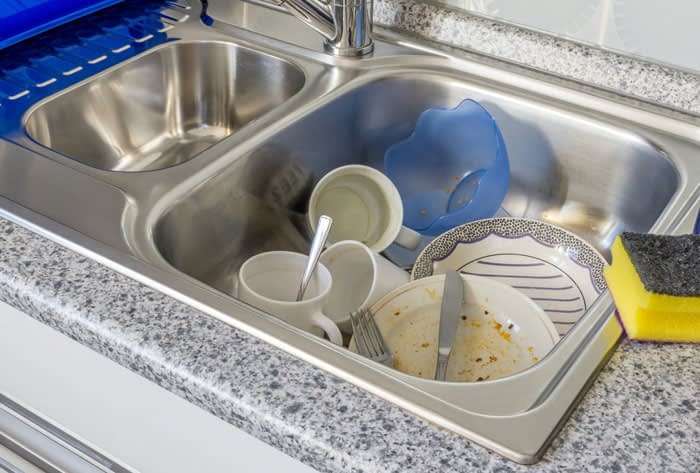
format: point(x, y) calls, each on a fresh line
point(594, 163)
point(164, 107)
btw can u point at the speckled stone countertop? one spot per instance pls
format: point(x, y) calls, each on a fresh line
point(641, 414)
point(647, 81)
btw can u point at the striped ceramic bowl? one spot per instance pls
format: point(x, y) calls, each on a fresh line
point(558, 270)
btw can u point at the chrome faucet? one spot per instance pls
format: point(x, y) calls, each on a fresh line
point(346, 25)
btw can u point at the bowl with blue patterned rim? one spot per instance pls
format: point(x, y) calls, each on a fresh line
point(559, 271)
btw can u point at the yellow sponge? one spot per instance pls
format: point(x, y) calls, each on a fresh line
point(655, 282)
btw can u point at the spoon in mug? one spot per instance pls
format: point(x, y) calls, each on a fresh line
point(319, 241)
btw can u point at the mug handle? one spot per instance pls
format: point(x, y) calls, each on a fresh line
point(328, 326)
point(409, 239)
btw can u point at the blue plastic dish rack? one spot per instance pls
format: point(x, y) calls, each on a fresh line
point(21, 19)
point(46, 63)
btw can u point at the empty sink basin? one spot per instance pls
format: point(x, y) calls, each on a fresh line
point(165, 107)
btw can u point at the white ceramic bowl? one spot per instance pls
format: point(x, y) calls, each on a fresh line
point(501, 331)
point(558, 270)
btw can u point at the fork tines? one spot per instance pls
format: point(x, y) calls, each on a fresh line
point(369, 340)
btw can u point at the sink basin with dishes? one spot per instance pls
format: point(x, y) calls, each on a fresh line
point(178, 159)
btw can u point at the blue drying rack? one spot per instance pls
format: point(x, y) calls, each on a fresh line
point(45, 63)
point(21, 19)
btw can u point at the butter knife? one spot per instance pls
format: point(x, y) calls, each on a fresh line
point(452, 300)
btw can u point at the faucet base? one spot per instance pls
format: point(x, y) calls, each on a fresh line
point(348, 51)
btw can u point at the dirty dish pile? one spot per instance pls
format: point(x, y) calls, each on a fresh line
point(525, 282)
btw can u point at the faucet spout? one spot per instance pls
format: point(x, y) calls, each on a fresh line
point(314, 13)
point(346, 25)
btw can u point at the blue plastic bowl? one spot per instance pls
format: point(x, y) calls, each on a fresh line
point(452, 169)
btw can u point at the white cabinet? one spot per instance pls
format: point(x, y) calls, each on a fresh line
point(119, 413)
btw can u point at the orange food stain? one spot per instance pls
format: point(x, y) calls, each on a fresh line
point(425, 344)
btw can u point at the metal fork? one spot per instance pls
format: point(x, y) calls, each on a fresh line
point(369, 340)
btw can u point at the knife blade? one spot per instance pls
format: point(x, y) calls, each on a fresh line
point(450, 311)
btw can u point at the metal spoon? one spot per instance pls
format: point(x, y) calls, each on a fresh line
point(323, 228)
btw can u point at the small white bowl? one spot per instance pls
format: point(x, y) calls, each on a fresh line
point(501, 330)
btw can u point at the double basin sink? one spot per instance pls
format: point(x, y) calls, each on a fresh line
point(180, 163)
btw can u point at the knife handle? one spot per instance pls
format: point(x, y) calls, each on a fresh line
point(441, 368)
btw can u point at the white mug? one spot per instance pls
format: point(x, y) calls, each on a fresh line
point(360, 278)
point(270, 281)
point(365, 206)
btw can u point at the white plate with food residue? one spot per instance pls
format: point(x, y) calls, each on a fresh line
point(500, 332)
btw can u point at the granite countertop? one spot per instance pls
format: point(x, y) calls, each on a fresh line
point(606, 70)
point(641, 414)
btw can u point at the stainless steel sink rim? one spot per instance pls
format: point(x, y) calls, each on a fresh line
point(573, 356)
